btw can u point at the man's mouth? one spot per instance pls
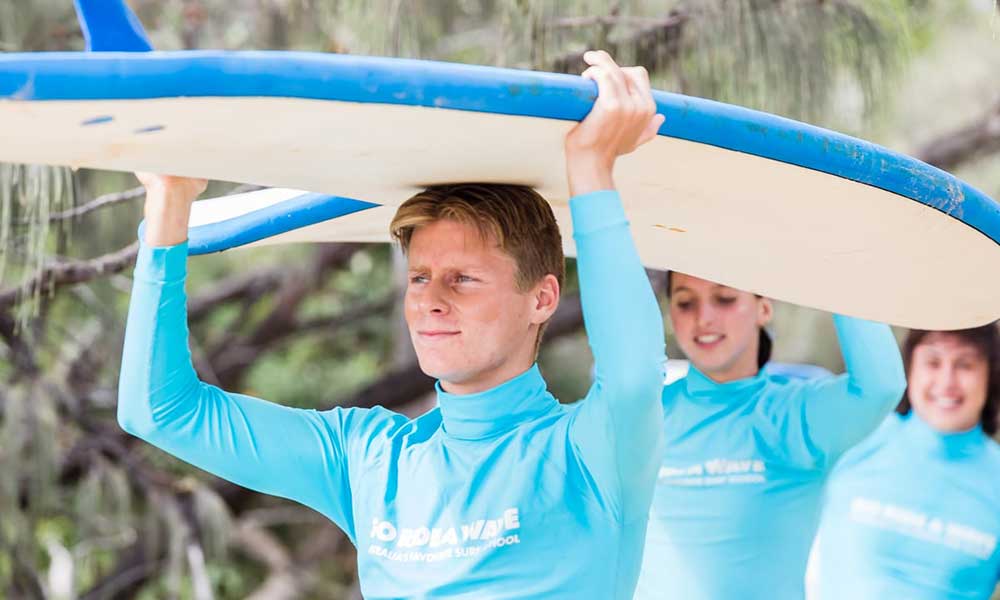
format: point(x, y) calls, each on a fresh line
point(437, 334)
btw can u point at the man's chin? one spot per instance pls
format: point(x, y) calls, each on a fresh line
point(441, 370)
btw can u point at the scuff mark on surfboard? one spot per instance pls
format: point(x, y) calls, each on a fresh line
point(150, 129)
point(97, 120)
point(25, 91)
point(588, 95)
point(533, 89)
point(114, 151)
point(792, 136)
point(953, 201)
point(949, 195)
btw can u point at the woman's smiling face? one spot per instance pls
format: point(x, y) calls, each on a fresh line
point(717, 327)
point(948, 381)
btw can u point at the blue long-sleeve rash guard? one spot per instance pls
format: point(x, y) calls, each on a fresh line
point(500, 494)
point(912, 513)
point(738, 497)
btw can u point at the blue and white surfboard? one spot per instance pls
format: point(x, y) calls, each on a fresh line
point(748, 199)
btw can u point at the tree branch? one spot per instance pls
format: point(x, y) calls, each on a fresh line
point(99, 202)
point(246, 286)
point(655, 45)
point(72, 272)
point(232, 356)
point(119, 198)
point(130, 573)
point(604, 20)
point(21, 353)
point(976, 139)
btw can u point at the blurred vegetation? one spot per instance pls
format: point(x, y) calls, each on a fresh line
point(89, 512)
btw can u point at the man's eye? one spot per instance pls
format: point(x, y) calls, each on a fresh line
point(686, 305)
point(418, 279)
point(463, 279)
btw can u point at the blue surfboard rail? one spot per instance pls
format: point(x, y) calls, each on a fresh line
point(110, 25)
point(123, 76)
point(288, 215)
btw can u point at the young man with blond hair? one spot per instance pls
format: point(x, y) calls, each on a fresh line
point(500, 491)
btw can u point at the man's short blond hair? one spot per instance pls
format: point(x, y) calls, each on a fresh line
point(516, 217)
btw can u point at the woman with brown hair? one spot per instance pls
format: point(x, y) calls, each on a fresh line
point(914, 511)
point(748, 450)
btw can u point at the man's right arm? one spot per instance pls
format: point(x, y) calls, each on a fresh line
point(303, 455)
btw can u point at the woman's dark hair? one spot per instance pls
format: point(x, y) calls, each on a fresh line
point(986, 340)
point(764, 346)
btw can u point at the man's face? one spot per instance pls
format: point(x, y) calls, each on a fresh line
point(471, 327)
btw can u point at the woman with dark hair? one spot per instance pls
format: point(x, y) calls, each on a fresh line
point(738, 497)
point(914, 511)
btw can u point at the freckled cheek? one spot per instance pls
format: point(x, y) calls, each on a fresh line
point(410, 310)
point(481, 314)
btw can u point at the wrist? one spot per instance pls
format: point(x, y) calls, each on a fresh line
point(589, 173)
point(167, 219)
point(166, 196)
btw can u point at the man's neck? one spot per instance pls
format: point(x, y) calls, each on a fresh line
point(486, 380)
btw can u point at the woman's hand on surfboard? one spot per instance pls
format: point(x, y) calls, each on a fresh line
point(622, 119)
point(168, 206)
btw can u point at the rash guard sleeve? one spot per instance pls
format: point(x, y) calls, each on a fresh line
point(618, 428)
point(838, 412)
point(303, 455)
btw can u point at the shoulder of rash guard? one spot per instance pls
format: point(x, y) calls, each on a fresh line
point(992, 476)
point(885, 431)
point(873, 443)
point(783, 395)
point(672, 392)
point(367, 429)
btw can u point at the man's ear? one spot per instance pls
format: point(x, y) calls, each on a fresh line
point(546, 295)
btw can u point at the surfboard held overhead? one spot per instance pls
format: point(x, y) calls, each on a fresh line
point(744, 198)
